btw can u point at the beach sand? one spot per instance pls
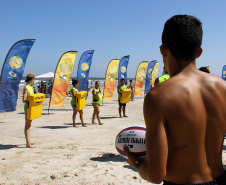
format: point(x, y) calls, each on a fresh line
point(67, 155)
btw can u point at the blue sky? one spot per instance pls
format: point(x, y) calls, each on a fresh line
point(113, 28)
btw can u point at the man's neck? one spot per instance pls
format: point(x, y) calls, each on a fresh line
point(182, 67)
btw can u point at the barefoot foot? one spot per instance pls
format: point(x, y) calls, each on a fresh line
point(32, 143)
point(30, 146)
point(120, 116)
point(94, 123)
point(84, 125)
point(101, 123)
point(75, 125)
point(125, 116)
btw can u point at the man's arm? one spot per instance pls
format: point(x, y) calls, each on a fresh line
point(153, 169)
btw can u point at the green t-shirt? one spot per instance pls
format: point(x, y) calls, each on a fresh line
point(30, 92)
point(73, 101)
point(163, 78)
point(122, 87)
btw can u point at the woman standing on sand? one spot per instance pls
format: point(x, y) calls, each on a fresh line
point(73, 93)
point(28, 90)
point(131, 86)
point(96, 102)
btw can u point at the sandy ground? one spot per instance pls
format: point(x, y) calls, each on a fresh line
point(67, 155)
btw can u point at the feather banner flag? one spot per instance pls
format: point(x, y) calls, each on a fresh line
point(109, 85)
point(122, 69)
point(11, 75)
point(149, 80)
point(224, 72)
point(140, 74)
point(154, 74)
point(83, 70)
point(62, 78)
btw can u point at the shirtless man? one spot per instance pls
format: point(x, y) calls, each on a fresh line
point(185, 116)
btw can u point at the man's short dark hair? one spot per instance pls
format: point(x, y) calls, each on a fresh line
point(130, 80)
point(182, 35)
point(122, 79)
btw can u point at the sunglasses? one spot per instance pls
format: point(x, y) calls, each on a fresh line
point(160, 48)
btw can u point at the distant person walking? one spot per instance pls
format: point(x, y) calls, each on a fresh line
point(28, 90)
point(96, 102)
point(73, 93)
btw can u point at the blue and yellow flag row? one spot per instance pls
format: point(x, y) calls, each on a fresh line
point(15, 61)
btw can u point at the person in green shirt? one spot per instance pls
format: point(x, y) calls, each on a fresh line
point(73, 93)
point(122, 86)
point(28, 90)
point(96, 102)
point(162, 78)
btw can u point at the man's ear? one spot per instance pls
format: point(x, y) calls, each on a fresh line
point(200, 52)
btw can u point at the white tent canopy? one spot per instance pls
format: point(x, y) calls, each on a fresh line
point(46, 77)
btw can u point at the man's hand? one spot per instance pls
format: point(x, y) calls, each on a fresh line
point(132, 159)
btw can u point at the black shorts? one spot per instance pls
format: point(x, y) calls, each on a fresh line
point(73, 106)
point(121, 104)
point(218, 181)
point(95, 100)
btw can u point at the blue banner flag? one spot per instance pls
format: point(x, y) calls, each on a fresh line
point(148, 80)
point(83, 70)
point(122, 69)
point(12, 71)
point(224, 73)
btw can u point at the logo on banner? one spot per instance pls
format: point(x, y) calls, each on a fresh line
point(62, 76)
point(15, 62)
point(84, 66)
point(110, 77)
point(122, 76)
point(65, 67)
point(112, 71)
point(12, 74)
point(224, 72)
point(83, 75)
point(140, 77)
point(123, 69)
point(141, 72)
point(149, 71)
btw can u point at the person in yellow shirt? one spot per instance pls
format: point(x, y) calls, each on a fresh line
point(28, 90)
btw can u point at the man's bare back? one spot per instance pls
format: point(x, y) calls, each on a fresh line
point(194, 112)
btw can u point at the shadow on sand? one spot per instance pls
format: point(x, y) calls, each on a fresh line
point(108, 117)
point(129, 167)
point(6, 147)
point(44, 114)
point(53, 127)
point(107, 157)
point(2, 122)
point(58, 109)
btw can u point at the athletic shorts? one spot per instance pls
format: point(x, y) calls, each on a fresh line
point(218, 181)
point(73, 106)
point(95, 100)
point(121, 104)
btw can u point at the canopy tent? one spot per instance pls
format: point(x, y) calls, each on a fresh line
point(46, 77)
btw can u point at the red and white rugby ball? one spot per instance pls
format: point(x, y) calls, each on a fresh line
point(134, 138)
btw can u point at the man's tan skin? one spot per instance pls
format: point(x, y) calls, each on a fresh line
point(185, 119)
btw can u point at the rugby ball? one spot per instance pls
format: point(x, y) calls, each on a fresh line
point(134, 138)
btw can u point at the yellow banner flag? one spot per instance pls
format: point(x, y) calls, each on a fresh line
point(62, 78)
point(111, 73)
point(154, 74)
point(140, 78)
